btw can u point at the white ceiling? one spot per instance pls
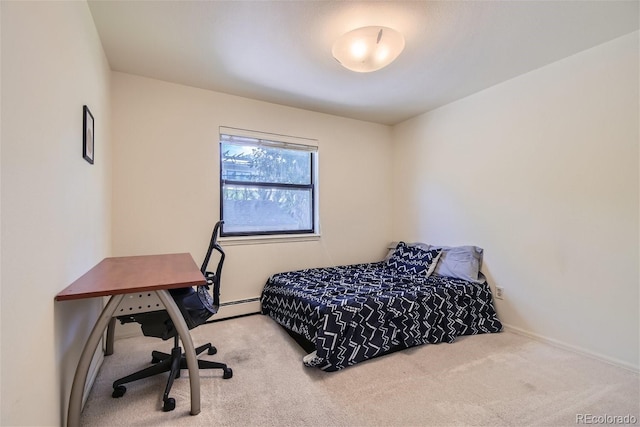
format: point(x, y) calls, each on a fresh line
point(280, 51)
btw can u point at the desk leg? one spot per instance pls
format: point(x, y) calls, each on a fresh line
point(189, 350)
point(80, 377)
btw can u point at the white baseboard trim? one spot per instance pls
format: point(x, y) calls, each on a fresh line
point(574, 349)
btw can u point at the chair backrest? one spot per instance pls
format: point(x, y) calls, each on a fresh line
point(213, 279)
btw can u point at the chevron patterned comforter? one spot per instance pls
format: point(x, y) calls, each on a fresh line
point(356, 312)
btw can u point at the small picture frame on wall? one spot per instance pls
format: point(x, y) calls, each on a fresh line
point(87, 135)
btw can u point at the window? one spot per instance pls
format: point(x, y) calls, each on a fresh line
point(267, 184)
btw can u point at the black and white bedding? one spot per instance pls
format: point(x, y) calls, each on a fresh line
point(356, 312)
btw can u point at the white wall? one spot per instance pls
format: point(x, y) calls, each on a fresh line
point(542, 172)
point(55, 205)
point(166, 180)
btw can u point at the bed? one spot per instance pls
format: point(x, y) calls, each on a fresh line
point(348, 314)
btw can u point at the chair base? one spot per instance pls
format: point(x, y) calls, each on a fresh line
point(172, 363)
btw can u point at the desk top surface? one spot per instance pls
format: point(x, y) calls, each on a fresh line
point(124, 275)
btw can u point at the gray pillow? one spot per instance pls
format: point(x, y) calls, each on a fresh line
point(462, 262)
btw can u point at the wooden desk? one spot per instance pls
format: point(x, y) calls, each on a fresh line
point(118, 276)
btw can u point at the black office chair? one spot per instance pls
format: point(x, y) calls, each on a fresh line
point(196, 306)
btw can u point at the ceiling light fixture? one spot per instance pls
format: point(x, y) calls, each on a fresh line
point(368, 49)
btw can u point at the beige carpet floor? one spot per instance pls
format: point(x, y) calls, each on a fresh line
point(499, 379)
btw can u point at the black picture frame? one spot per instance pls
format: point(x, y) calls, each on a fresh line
point(88, 132)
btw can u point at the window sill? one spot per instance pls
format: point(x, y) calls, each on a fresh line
point(258, 240)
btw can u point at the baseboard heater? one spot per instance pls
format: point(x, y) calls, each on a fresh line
point(237, 308)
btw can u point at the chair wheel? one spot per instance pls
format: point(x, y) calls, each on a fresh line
point(212, 350)
point(119, 391)
point(228, 373)
point(169, 404)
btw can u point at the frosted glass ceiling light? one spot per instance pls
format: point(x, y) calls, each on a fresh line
point(368, 48)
